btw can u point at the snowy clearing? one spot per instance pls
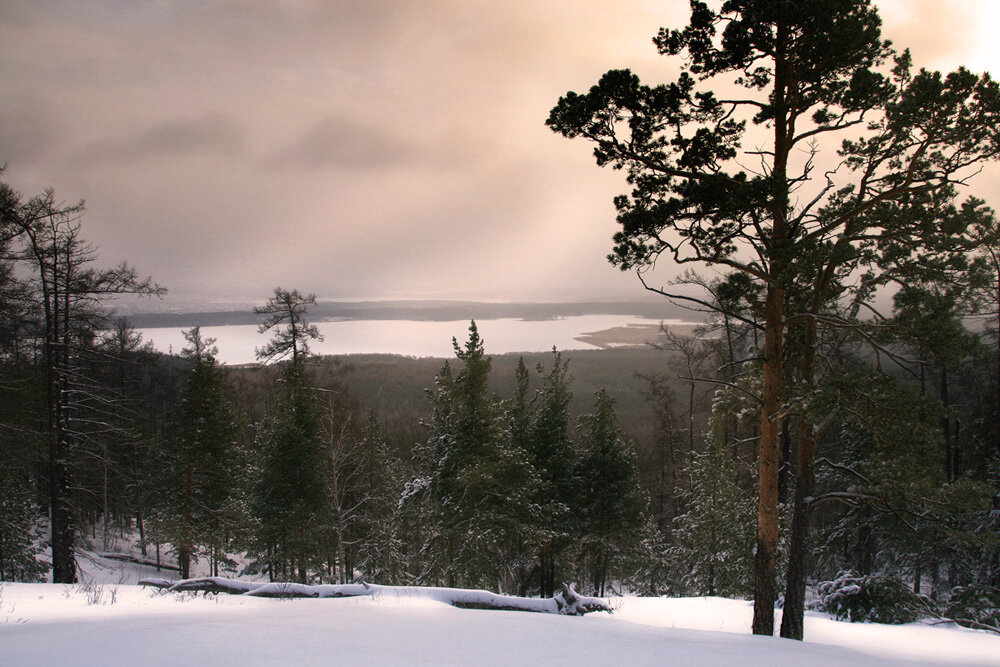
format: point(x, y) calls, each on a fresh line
point(112, 621)
point(126, 624)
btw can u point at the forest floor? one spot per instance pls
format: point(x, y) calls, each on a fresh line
point(108, 621)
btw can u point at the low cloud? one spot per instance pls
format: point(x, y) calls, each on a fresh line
point(337, 142)
point(29, 131)
point(211, 134)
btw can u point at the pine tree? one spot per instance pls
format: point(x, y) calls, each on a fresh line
point(811, 71)
point(286, 313)
point(70, 298)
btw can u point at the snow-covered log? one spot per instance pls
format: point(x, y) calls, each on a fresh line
point(567, 602)
point(292, 590)
point(572, 603)
point(203, 585)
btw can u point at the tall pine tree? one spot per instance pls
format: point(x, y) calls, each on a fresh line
point(810, 71)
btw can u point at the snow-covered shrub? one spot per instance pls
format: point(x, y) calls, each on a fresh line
point(975, 606)
point(870, 599)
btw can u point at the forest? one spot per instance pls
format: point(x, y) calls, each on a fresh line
point(831, 433)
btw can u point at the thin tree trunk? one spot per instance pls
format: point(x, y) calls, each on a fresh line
point(184, 548)
point(949, 444)
point(104, 489)
point(138, 499)
point(63, 555)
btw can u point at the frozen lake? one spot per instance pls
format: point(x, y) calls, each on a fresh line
point(237, 343)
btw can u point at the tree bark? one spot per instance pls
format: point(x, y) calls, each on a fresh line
point(767, 506)
point(949, 441)
point(774, 313)
point(793, 612)
point(61, 507)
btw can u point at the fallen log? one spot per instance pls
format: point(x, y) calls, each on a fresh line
point(568, 602)
point(137, 560)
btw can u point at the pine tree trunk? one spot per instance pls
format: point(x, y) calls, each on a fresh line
point(774, 313)
point(767, 507)
point(786, 474)
point(793, 612)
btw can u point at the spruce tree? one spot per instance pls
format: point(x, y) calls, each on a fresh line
point(475, 482)
point(289, 494)
point(207, 452)
point(288, 498)
point(20, 544)
point(612, 506)
point(381, 553)
point(552, 454)
point(518, 418)
point(712, 551)
point(195, 477)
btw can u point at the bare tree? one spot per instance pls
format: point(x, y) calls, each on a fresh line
point(72, 297)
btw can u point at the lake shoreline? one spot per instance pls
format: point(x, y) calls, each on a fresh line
point(433, 339)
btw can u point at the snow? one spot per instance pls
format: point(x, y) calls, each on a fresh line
point(58, 624)
point(912, 643)
point(111, 623)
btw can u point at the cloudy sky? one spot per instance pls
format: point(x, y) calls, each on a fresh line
point(353, 148)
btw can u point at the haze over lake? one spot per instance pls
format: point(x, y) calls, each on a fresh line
point(237, 343)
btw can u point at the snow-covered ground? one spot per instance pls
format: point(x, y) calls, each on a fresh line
point(111, 623)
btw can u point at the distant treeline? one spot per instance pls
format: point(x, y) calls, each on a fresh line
point(395, 386)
